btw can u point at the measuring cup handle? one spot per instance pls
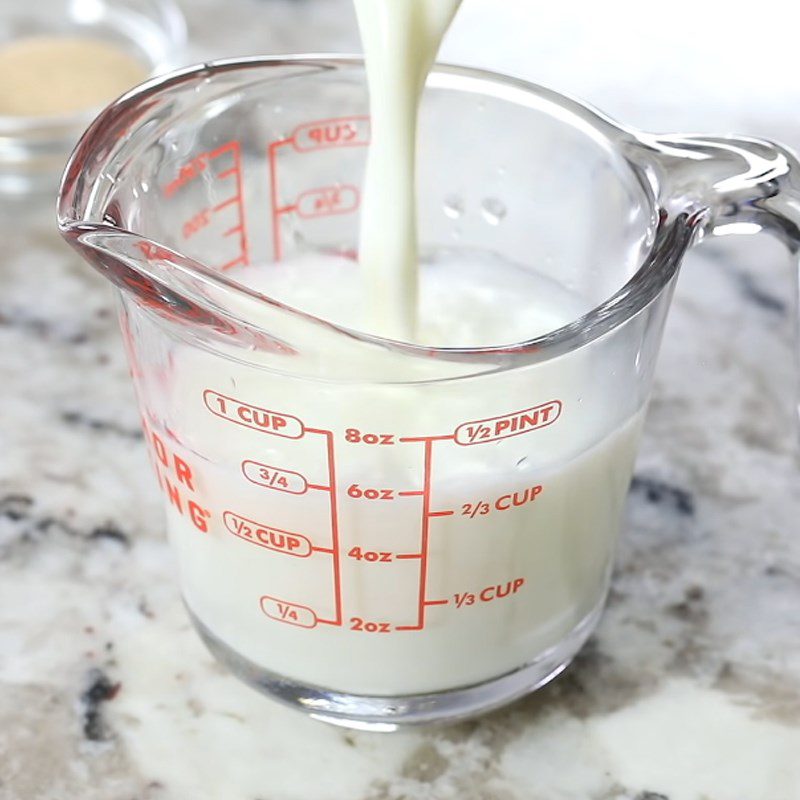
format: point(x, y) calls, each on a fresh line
point(740, 184)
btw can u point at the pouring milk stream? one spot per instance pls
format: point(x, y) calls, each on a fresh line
point(401, 39)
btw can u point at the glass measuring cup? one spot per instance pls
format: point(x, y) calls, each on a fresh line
point(374, 531)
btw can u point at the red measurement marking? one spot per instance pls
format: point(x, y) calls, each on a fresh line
point(236, 170)
point(426, 507)
point(292, 544)
point(248, 416)
point(335, 132)
point(317, 486)
point(154, 252)
point(411, 494)
point(234, 263)
point(175, 476)
point(334, 528)
point(200, 164)
point(371, 556)
point(282, 480)
point(291, 613)
point(240, 194)
point(272, 158)
point(357, 493)
point(368, 626)
point(500, 590)
point(326, 201)
point(425, 438)
point(515, 424)
point(196, 223)
point(422, 556)
point(471, 510)
point(187, 173)
point(335, 555)
point(488, 594)
point(225, 203)
point(317, 135)
point(503, 503)
point(355, 436)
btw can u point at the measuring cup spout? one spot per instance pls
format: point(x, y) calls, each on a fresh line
point(201, 301)
point(738, 184)
point(158, 278)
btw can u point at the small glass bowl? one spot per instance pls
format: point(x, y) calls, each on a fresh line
point(33, 150)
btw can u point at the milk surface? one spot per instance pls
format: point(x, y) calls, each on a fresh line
point(465, 298)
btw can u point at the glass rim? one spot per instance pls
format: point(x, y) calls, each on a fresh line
point(671, 236)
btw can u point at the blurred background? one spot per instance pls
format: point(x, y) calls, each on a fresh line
point(682, 65)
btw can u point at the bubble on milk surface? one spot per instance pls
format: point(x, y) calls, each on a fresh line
point(453, 206)
point(493, 210)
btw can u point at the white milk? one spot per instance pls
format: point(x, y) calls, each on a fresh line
point(509, 549)
point(401, 39)
point(464, 296)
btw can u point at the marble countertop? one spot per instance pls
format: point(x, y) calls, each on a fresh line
point(690, 690)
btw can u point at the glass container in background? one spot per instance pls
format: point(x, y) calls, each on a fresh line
point(33, 148)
